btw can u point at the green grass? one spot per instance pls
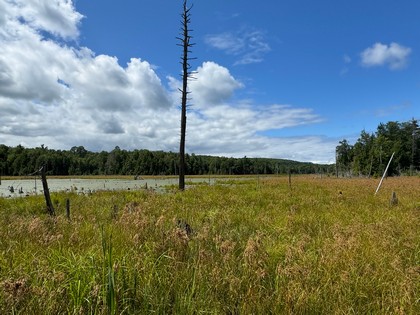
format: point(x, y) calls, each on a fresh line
point(257, 247)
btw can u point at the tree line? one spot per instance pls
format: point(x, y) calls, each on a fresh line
point(21, 161)
point(371, 153)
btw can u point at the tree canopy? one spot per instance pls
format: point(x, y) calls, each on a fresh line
point(20, 161)
point(371, 152)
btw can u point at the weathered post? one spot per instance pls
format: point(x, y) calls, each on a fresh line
point(394, 199)
point(50, 207)
point(68, 208)
point(290, 179)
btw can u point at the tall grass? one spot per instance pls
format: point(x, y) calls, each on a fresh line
point(325, 246)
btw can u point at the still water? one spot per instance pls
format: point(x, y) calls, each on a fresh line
point(25, 187)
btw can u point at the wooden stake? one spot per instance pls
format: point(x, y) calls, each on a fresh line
point(50, 207)
point(68, 208)
point(394, 199)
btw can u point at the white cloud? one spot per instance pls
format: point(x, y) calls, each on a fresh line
point(105, 85)
point(217, 125)
point(3, 14)
point(237, 130)
point(57, 17)
point(54, 94)
point(213, 84)
point(395, 56)
point(249, 46)
point(44, 82)
point(226, 41)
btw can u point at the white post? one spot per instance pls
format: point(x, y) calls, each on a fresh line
point(383, 176)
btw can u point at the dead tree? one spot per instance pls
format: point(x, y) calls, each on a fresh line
point(185, 43)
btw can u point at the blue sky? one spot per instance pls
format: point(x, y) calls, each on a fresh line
point(284, 79)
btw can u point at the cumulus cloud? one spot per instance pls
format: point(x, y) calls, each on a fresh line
point(395, 56)
point(213, 84)
point(104, 84)
point(55, 93)
point(248, 46)
point(44, 81)
point(218, 125)
point(57, 17)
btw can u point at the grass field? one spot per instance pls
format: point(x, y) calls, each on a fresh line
point(323, 246)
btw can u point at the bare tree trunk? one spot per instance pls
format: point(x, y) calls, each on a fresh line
point(182, 141)
point(50, 207)
point(185, 43)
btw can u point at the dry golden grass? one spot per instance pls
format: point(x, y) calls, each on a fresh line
point(325, 246)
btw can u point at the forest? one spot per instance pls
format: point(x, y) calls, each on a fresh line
point(367, 157)
point(21, 161)
point(371, 153)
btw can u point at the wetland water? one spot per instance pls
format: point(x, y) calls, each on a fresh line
point(24, 187)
